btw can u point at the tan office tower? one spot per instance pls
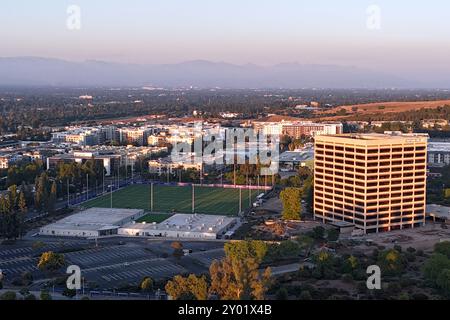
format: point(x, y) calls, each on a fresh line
point(375, 181)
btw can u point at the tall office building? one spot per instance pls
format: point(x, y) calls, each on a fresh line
point(375, 181)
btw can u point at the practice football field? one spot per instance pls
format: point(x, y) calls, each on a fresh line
point(221, 201)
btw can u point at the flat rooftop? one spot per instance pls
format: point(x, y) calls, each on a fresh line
point(187, 222)
point(439, 146)
point(95, 219)
point(438, 211)
point(297, 155)
point(375, 138)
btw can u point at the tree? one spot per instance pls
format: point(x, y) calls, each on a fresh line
point(198, 287)
point(443, 282)
point(177, 249)
point(318, 233)
point(391, 262)
point(51, 261)
point(350, 264)
point(146, 284)
point(443, 248)
point(22, 203)
point(255, 249)
point(434, 266)
point(291, 199)
point(52, 198)
point(188, 288)
point(332, 234)
point(238, 279)
point(178, 288)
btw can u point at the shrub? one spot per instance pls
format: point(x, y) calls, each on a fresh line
point(8, 295)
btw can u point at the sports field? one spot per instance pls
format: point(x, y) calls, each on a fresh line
point(223, 201)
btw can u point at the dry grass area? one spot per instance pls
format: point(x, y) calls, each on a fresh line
point(384, 107)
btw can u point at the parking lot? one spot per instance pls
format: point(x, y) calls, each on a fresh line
point(112, 262)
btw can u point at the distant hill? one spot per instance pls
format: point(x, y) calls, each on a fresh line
point(34, 71)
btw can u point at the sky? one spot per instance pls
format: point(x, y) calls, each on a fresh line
point(411, 36)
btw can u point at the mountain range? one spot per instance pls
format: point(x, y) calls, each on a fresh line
point(36, 71)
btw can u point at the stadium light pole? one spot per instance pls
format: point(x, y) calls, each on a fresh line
point(87, 186)
point(193, 198)
point(250, 194)
point(240, 200)
point(126, 167)
point(151, 197)
point(111, 187)
point(68, 193)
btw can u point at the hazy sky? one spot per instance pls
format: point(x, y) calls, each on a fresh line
point(414, 35)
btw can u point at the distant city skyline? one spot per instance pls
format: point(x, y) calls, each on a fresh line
point(410, 41)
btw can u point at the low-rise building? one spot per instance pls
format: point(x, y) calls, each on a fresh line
point(93, 222)
point(189, 226)
point(438, 154)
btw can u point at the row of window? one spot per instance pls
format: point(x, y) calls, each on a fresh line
point(319, 146)
point(416, 214)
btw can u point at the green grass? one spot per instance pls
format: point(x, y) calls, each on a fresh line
point(177, 199)
point(154, 217)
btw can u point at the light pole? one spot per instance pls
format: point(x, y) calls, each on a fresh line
point(111, 187)
point(193, 198)
point(87, 187)
point(68, 193)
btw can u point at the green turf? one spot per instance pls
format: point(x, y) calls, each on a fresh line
point(223, 201)
point(154, 217)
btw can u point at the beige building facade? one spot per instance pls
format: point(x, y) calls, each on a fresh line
point(375, 181)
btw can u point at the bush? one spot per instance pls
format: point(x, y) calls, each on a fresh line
point(420, 296)
point(411, 250)
point(8, 295)
point(318, 233)
point(30, 297)
point(282, 294)
point(347, 277)
point(305, 295)
point(24, 291)
point(45, 295)
point(443, 248)
point(70, 293)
